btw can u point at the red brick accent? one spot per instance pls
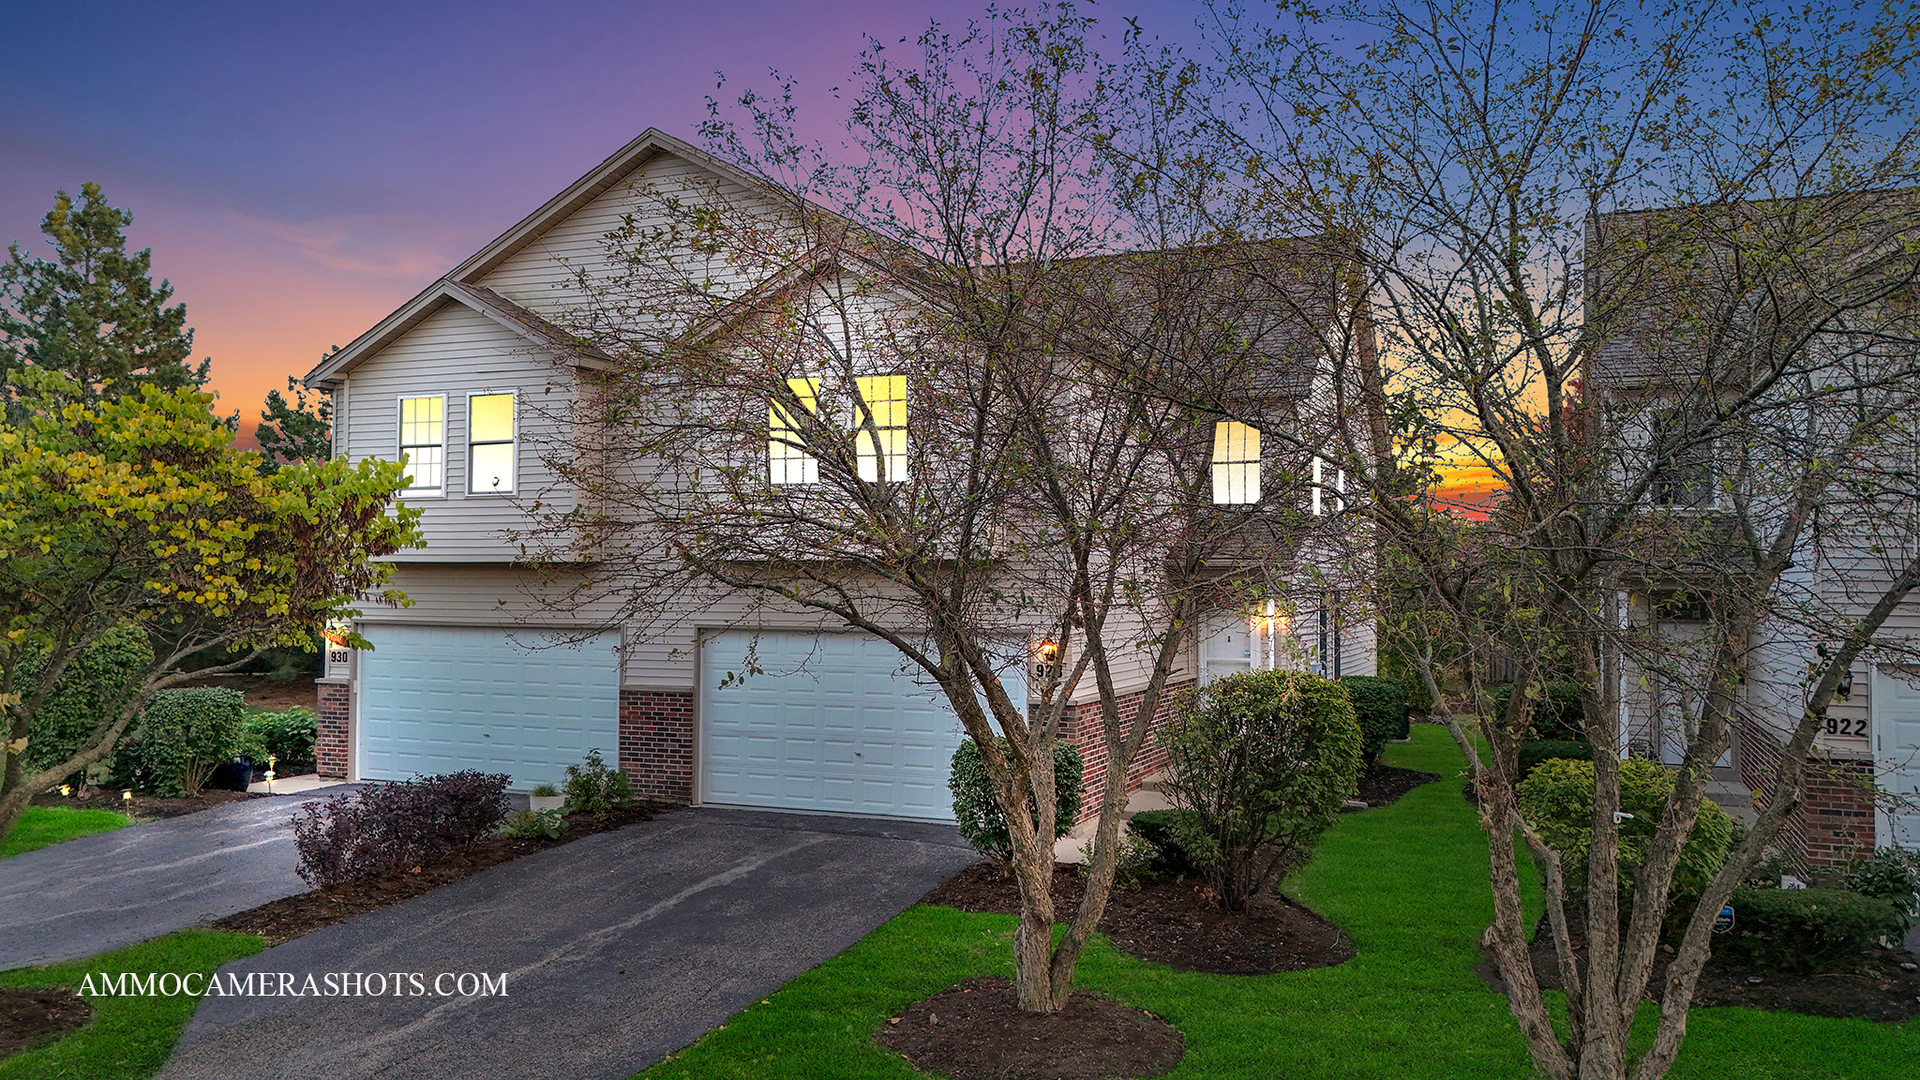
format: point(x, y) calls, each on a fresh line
point(1835, 817)
point(1084, 730)
point(332, 742)
point(656, 742)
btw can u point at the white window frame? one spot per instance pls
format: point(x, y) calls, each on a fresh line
point(400, 445)
point(1234, 463)
point(787, 464)
point(893, 436)
point(513, 417)
point(1318, 498)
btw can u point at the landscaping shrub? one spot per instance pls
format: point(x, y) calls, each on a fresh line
point(95, 684)
point(1263, 762)
point(1380, 707)
point(391, 826)
point(184, 735)
point(1558, 800)
point(1539, 750)
point(1888, 874)
point(1163, 830)
point(594, 788)
point(288, 735)
point(978, 815)
point(1557, 716)
point(533, 824)
point(1805, 929)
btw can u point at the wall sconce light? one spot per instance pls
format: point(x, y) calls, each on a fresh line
point(1844, 688)
point(1049, 651)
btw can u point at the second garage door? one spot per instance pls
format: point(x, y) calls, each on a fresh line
point(832, 725)
point(437, 699)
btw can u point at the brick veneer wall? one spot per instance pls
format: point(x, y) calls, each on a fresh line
point(1084, 730)
point(1835, 815)
point(332, 743)
point(656, 742)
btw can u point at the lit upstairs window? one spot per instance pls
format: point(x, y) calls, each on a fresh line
point(1236, 464)
point(423, 442)
point(490, 444)
point(883, 398)
point(787, 461)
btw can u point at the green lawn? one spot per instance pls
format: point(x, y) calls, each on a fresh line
point(1407, 883)
point(130, 1037)
point(44, 825)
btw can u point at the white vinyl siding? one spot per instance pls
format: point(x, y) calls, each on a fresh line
point(454, 353)
point(1236, 463)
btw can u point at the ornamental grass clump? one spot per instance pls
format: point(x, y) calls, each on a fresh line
point(1260, 765)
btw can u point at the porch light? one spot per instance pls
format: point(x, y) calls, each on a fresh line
point(1049, 651)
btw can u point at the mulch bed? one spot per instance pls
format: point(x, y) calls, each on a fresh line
point(977, 1031)
point(1382, 784)
point(144, 807)
point(1872, 987)
point(1170, 922)
point(290, 917)
point(263, 692)
point(31, 1017)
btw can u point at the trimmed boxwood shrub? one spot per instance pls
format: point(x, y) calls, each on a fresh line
point(95, 684)
point(389, 827)
point(1558, 716)
point(1380, 707)
point(1533, 753)
point(184, 735)
point(977, 813)
point(1558, 800)
point(1262, 761)
point(1805, 929)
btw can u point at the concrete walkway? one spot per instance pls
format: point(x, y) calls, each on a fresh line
point(100, 892)
point(616, 950)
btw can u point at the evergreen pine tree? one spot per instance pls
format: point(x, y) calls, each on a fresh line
point(93, 313)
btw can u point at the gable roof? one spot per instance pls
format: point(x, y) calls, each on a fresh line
point(458, 284)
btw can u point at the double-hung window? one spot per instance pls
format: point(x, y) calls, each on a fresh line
point(876, 414)
point(883, 401)
point(1236, 463)
point(787, 460)
point(423, 443)
point(1685, 479)
point(490, 444)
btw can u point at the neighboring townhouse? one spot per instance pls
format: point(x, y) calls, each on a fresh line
point(494, 667)
point(1749, 341)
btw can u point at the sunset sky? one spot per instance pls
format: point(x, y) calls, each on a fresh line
point(301, 170)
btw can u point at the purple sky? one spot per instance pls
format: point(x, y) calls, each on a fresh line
point(300, 171)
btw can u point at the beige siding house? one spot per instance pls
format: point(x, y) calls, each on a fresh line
point(496, 668)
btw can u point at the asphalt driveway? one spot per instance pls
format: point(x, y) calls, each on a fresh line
point(616, 950)
point(88, 895)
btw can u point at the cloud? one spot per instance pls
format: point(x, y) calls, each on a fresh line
point(381, 245)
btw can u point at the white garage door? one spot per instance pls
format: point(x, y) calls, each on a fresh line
point(1895, 703)
point(437, 699)
point(832, 725)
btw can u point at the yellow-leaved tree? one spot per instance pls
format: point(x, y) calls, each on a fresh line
point(139, 511)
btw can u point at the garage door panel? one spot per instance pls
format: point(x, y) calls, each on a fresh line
point(441, 699)
point(853, 734)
